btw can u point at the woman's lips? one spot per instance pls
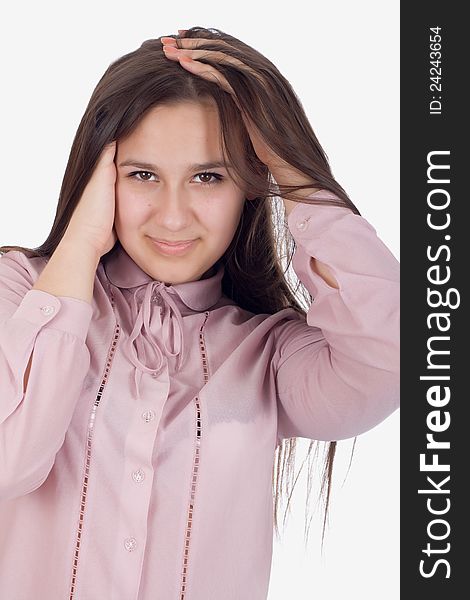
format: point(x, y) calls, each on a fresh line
point(173, 249)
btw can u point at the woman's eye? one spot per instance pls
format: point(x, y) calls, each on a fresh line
point(133, 175)
point(217, 177)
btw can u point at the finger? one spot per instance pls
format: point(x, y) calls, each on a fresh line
point(219, 57)
point(193, 42)
point(206, 72)
point(108, 152)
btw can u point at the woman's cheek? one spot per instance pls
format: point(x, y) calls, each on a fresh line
point(129, 193)
point(223, 218)
point(131, 206)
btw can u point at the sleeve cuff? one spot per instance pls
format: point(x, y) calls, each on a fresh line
point(67, 314)
point(308, 224)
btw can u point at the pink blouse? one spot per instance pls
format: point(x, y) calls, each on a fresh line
point(138, 464)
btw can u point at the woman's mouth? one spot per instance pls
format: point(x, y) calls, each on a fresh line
point(173, 249)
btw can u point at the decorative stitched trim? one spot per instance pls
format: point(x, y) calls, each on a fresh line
point(197, 448)
point(91, 424)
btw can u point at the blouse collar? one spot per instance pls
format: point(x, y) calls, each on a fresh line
point(123, 272)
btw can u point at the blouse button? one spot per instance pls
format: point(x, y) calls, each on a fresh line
point(148, 415)
point(302, 225)
point(47, 310)
point(138, 476)
point(130, 544)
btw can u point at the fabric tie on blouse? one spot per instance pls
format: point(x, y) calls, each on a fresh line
point(156, 318)
point(171, 340)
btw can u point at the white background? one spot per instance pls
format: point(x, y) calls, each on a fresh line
point(342, 59)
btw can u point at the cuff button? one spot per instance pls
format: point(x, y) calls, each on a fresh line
point(47, 310)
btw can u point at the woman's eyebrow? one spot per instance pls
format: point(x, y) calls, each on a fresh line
point(216, 164)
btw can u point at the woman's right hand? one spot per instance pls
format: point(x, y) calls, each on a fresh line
point(92, 221)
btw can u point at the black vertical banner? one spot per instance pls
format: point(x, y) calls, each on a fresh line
point(435, 267)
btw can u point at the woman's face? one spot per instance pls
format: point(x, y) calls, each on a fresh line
point(165, 195)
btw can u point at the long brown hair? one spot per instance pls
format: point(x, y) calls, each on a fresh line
point(254, 276)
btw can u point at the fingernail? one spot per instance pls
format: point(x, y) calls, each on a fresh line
point(168, 40)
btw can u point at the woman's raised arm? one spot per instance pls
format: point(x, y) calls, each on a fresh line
point(337, 374)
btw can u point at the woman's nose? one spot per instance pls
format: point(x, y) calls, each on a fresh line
point(174, 211)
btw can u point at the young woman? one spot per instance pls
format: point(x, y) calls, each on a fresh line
point(156, 366)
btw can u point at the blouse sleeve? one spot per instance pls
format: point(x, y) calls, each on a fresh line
point(53, 329)
point(337, 373)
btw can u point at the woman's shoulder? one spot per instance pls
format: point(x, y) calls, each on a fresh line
point(21, 261)
point(23, 256)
